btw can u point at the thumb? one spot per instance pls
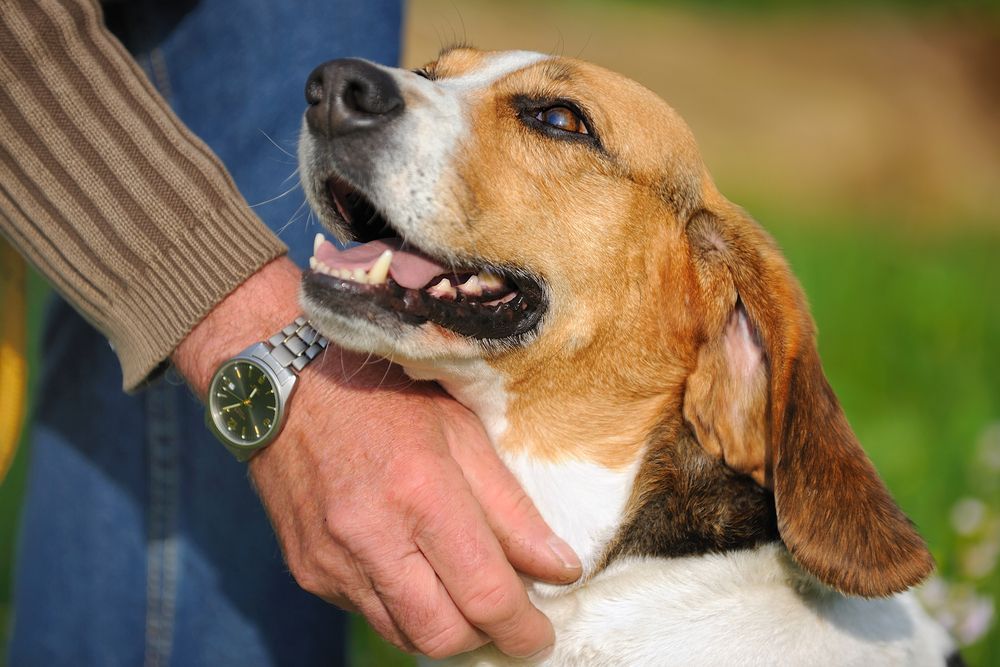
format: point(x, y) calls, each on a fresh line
point(530, 545)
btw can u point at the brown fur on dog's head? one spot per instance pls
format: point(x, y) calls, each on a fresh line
point(758, 399)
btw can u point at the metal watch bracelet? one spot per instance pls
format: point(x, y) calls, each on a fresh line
point(297, 344)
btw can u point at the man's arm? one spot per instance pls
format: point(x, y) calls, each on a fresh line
point(385, 493)
point(126, 213)
point(384, 499)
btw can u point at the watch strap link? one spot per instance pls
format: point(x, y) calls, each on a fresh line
point(297, 344)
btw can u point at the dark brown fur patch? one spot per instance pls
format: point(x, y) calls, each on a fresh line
point(688, 503)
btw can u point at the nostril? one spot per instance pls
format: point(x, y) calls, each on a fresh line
point(354, 96)
point(367, 96)
point(314, 90)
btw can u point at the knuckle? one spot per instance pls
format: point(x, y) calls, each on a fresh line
point(420, 485)
point(341, 531)
point(521, 504)
point(308, 580)
point(442, 641)
point(314, 575)
point(425, 502)
point(495, 604)
point(409, 483)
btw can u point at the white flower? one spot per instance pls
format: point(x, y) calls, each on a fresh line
point(967, 515)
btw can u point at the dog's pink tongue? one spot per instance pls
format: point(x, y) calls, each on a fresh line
point(410, 267)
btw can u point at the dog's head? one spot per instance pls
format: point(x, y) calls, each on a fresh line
point(541, 235)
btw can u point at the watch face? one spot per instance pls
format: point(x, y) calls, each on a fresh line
point(243, 402)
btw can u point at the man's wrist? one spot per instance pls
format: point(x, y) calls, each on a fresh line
point(263, 304)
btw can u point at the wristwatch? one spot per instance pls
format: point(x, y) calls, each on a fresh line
point(248, 396)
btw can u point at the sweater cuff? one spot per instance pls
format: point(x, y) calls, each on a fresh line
point(153, 315)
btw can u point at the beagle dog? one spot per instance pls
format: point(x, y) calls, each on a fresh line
point(540, 236)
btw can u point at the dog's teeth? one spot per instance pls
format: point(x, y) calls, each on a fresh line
point(489, 281)
point(319, 266)
point(471, 287)
point(317, 242)
point(377, 274)
point(443, 290)
point(359, 276)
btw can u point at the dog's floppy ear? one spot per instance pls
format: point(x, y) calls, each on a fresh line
point(759, 400)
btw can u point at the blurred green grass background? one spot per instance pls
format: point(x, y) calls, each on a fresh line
point(865, 138)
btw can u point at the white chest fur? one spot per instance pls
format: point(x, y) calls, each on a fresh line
point(581, 501)
point(750, 607)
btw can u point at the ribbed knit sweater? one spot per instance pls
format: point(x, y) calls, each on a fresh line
point(126, 213)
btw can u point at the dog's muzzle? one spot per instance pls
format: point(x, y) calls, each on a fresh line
point(353, 111)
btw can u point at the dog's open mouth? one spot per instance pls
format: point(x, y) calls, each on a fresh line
point(387, 273)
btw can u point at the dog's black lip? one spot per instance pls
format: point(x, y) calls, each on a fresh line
point(516, 318)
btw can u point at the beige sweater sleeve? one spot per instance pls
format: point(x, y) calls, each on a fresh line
point(123, 210)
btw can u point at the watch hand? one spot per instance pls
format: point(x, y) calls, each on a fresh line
point(230, 407)
point(252, 392)
point(233, 395)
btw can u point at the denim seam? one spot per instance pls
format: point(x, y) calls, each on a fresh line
point(162, 553)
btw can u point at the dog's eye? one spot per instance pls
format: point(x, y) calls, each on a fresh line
point(562, 118)
point(422, 72)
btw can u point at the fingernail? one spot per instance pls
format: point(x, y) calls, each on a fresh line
point(544, 654)
point(564, 553)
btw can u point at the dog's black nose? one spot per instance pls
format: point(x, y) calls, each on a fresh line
point(349, 95)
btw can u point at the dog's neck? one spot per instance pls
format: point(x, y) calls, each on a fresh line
point(573, 449)
point(552, 416)
point(605, 471)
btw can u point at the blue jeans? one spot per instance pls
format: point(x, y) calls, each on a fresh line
point(141, 539)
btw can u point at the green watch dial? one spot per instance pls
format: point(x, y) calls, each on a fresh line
point(243, 402)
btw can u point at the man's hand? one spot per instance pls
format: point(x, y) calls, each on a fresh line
point(386, 495)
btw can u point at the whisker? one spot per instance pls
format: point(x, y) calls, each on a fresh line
point(275, 144)
point(275, 198)
point(388, 367)
point(292, 175)
point(293, 219)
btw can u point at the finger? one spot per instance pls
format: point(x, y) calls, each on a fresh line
point(462, 550)
point(370, 606)
point(356, 594)
point(530, 545)
point(421, 608)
